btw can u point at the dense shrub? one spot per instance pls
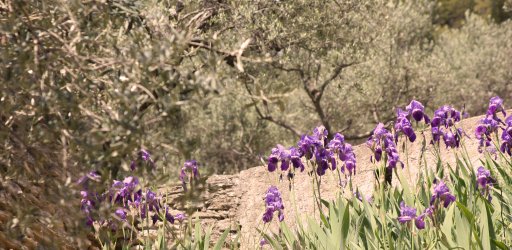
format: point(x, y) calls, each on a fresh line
point(85, 85)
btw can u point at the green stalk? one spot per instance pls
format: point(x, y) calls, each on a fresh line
point(412, 237)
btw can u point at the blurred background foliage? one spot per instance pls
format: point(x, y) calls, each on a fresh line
point(85, 84)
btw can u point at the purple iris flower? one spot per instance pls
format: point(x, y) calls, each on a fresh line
point(344, 152)
point(403, 125)
point(490, 123)
point(263, 242)
point(307, 145)
point(152, 201)
point(89, 221)
point(190, 165)
point(155, 217)
point(485, 181)
point(168, 215)
point(420, 222)
point(285, 156)
point(143, 212)
point(295, 156)
point(273, 159)
point(145, 156)
point(442, 193)
point(86, 203)
point(417, 111)
point(91, 176)
point(337, 142)
point(124, 191)
point(429, 211)
point(273, 203)
point(484, 177)
point(322, 159)
point(442, 125)
point(484, 130)
point(349, 158)
point(506, 137)
point(120, 213)
point(382, 140)
point(445, 116)
point(130, 184)
point(180, 217)
point(495, 106)
point(406, 213)
point(409, 214)
point(320, 133)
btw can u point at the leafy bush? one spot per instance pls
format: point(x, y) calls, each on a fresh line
point(87, 84)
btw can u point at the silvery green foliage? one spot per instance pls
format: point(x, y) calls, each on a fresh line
point(470, 64)
point(87, 84)
point(507, 6)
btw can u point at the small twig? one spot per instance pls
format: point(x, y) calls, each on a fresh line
point(269, 117)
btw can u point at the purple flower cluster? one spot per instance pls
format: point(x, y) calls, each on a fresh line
point(495, 106)
point(409, 214)
point(403, 125)
point(484, 130)
point(143, 156)
point(285, 156)
point(382, 141)
point(180, 217)
point(489, 124)
point(87, 205)
point(442, 195)
point(85, 180)
point(88, 202)
point(443, 125)
point(316, 148)
point(273, 203)
point(485, 181)
point(417, 111)
point(506, 136)
point(414, 110)
point(125, 196)
point(344, 152)
point(192, 167)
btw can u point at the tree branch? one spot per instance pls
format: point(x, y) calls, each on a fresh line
point(269, 117)
point(335, 73)
point(358, 136)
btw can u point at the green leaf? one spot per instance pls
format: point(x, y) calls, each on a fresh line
point(334, 220)
point(220, 242)
point(471, 218)
point(198, 234)
point(408, 197)
point(463, 231)
point(448, 221)
point(206, 244)
point(324, 220)
point(161, 240)
point(326, 203)
point(345, 225)
point(500, 244)
point(290, 238)
point(486, 226)
point(322, 239)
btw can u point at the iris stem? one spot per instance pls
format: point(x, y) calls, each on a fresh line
point(412, 237)
point(317, 199)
